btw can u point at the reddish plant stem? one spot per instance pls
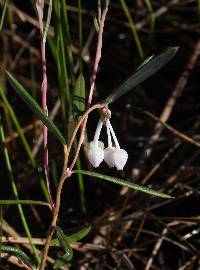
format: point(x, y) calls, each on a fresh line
point(66, 173)
point(45, 130)
point(93, 82)
point(55, 211)
point(44, 99)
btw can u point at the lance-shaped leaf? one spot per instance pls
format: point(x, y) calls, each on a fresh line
point(79, 235)
point(21, 255)
point(149, 67)
point(124, 183)
point(36, 109)
point(73, 237)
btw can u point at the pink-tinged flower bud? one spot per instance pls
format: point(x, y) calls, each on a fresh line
point(95, 153)
point(119, 158)
point(108, 156)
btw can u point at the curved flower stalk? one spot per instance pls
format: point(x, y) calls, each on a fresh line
point(109, 150)
point(114, 156)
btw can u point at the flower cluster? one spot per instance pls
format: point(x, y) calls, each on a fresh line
point(113, 155)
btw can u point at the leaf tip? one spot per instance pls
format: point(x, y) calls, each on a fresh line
point(168, 196)
point(174, 49)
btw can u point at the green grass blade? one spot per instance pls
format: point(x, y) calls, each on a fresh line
point(22, 136)
point(21, 255)
point(133, 28)
point(33, 105)
point(48, 20)
point(18, 127)
point(149, 67)
point(76, 109)
point(80, 34)
point(24, 202)
point(15, 192)
point(151, 14)
point(78, 101)
point(54, 173)
point(96, 24)
point(3, 14)
point(81, 186)
point(67, 40)
point(60, 48)
point(124, 183)
point(198, 4)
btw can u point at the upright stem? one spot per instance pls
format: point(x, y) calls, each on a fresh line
point(39, 7)
point(66, 173)
point(55, 211)
point(45, 109)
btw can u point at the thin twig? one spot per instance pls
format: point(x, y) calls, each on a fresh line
point(173, 130)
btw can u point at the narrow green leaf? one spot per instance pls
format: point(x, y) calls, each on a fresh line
point(73, 237)
point(133, 28)
point(198, 4)
point(96, 25)
point(9, 169)
point(33, 105)
point(151, 14)
point(79, 235)
point(62, 260)
point(26, 202)
point(17, 253)
point(2, 17)
point(63, 241)
point(78, 103)
point(124, 183)
point(48, 20)
point(149, 67)
point(17, 125)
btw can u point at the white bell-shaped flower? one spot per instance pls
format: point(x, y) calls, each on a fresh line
point(116, 156)
point(119, 158)
point(113, 156)
point(95, 148)
point(108, 158)
point(95, 153)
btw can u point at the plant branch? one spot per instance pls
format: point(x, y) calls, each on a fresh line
point(92, 87)
point(39, 7)
point(66, 172)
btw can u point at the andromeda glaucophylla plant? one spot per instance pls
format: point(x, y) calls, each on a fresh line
point(114, 156)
